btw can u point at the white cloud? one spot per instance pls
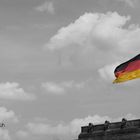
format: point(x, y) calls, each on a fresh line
point(88, 30)
point(53, 88)
point(71, 129)
point(4, 134)
point(46, 7)
point(107, 72)
point(128, 117)
point(96, 40)
point(14, 92)
point(62, 87)
point(6, 115)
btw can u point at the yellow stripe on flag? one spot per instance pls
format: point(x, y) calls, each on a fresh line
point(128, 76)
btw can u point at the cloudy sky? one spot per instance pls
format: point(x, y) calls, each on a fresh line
point(57, 59)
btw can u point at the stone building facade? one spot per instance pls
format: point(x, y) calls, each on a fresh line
point(124, 130)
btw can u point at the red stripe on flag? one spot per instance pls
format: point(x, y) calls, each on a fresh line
point(132, 66)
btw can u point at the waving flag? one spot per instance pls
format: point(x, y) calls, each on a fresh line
point(128, 70)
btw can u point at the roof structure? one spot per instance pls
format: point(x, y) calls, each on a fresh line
point(124, 130)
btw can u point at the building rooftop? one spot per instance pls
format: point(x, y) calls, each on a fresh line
point(124, 130)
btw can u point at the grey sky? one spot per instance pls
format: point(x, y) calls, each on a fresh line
point(57, 59)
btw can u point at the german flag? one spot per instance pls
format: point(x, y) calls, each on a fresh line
point(128, 70)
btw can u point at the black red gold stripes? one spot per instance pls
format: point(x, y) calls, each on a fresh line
point(128, 70)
